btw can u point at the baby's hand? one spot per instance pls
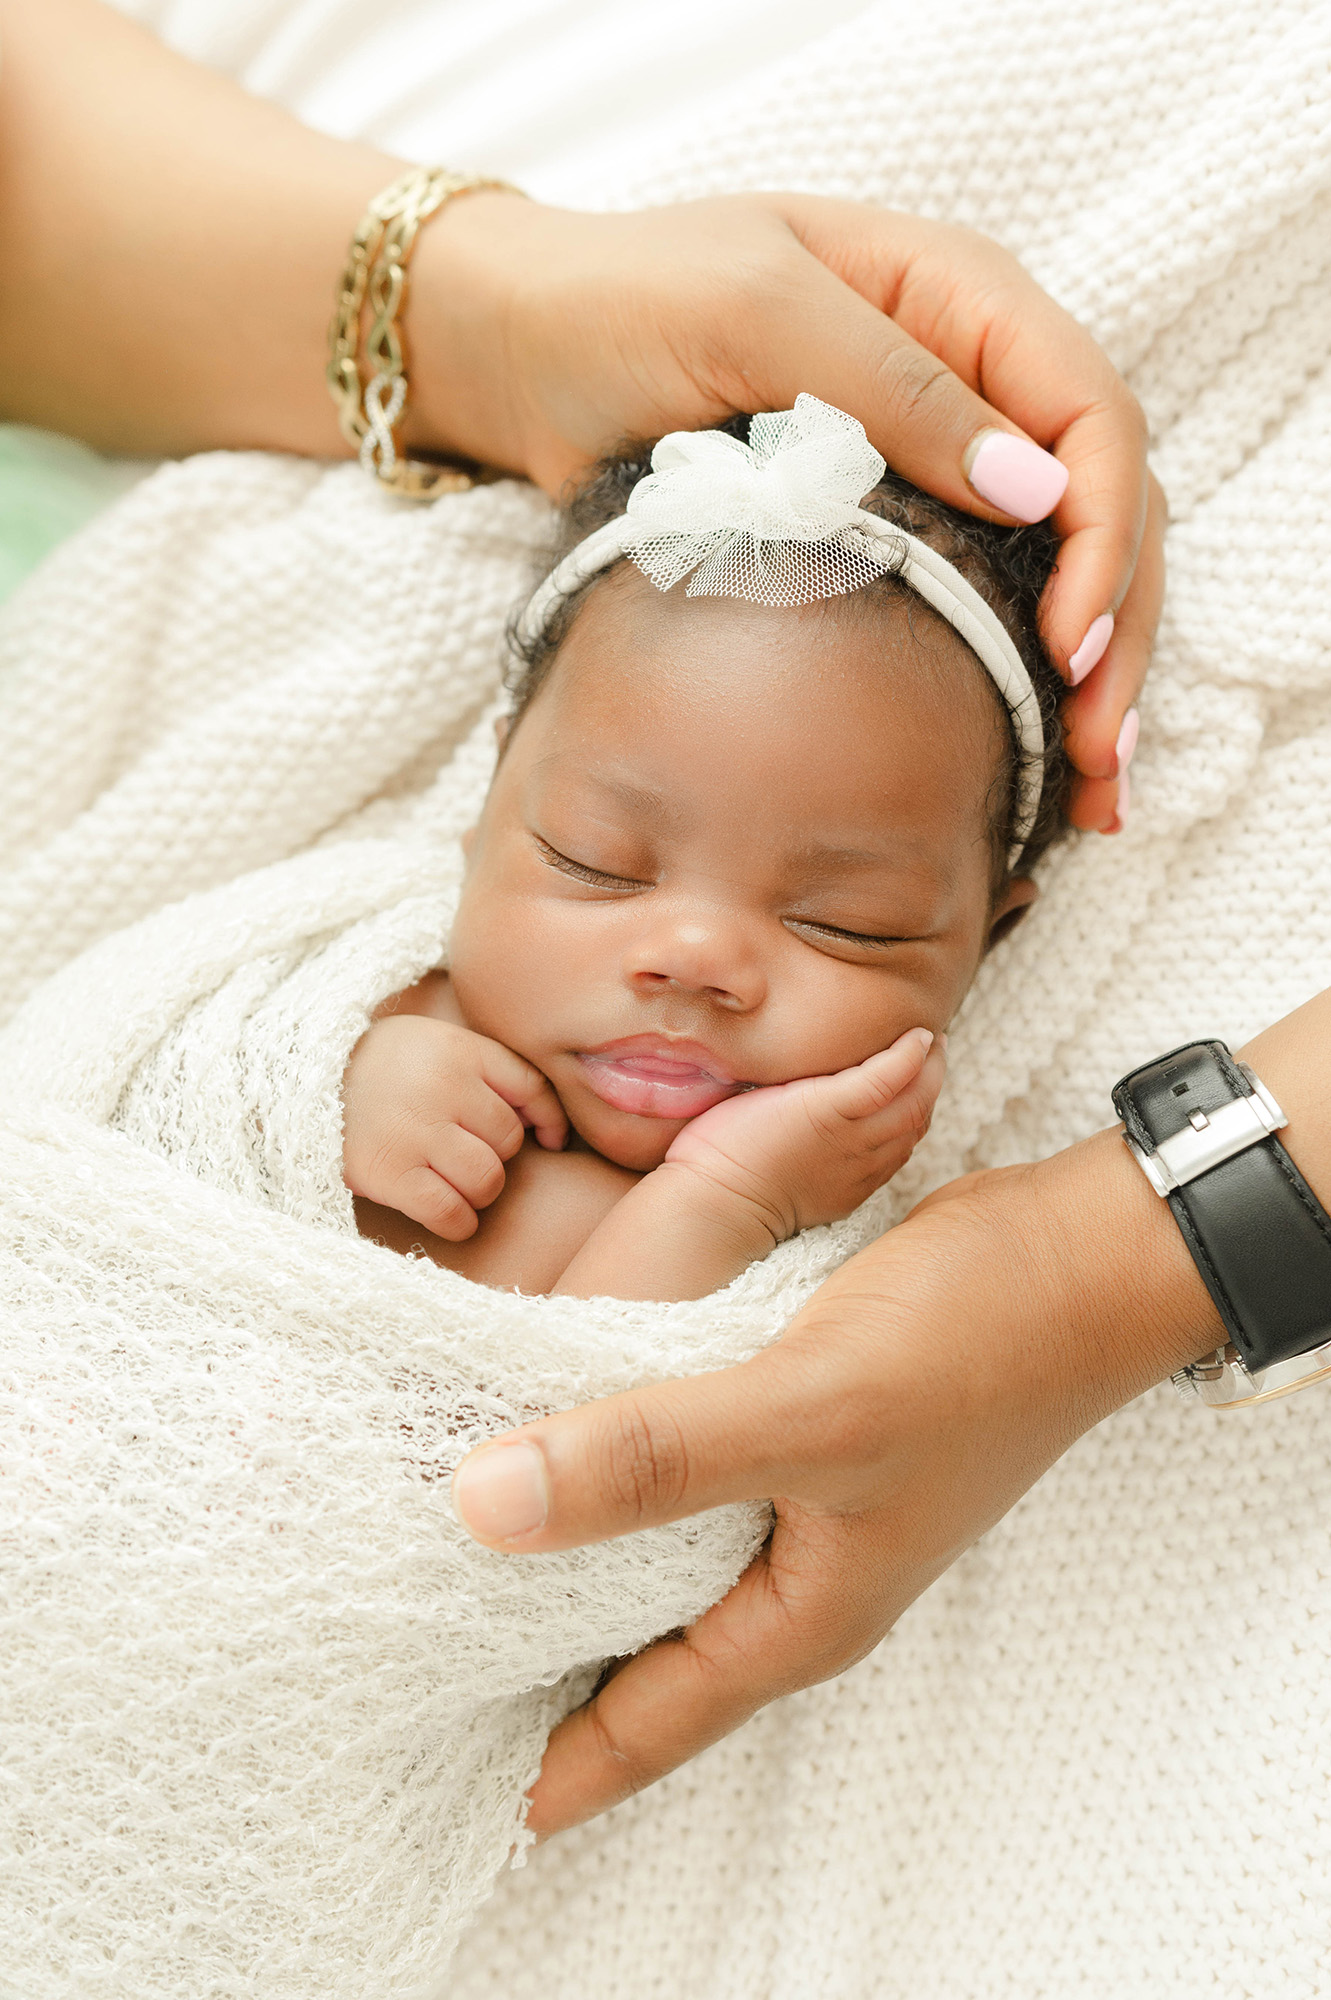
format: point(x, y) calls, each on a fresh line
point(813, 1150)
point(432, 1111)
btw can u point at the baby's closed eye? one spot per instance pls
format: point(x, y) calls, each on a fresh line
point(810, 928)
point(838, 934)
point(581, 871)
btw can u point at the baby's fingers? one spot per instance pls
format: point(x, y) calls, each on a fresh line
point(474, 1169)
point(433, 1202)
point(901, 1125)
point(523, 1086)
point(874, 1085)
point(461, 1174)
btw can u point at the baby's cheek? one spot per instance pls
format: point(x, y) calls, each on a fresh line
point(844, 1026)
point(488, 964)
point(480, 999)
point(863, 1017)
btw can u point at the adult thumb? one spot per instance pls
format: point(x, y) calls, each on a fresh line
point(629, 1461)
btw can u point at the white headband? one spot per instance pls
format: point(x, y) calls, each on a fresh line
point(778, 521)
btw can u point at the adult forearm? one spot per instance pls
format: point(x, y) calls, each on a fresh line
point(1172, 1318)
point(1294, 1060)
point(170, 244)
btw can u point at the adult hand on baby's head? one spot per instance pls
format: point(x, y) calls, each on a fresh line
point(546, 336)
point(539, 337)
point(811, 1151)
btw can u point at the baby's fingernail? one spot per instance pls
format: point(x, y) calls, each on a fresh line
point(1092, 648)
point(925, 1038)
point(502, 1492)
point(1127, 740)
point(1014, 474)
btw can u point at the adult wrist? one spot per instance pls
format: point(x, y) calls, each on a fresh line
point(1054, 1293)
point(1108, 1299)
point(465, 395)
point(1117, 1274)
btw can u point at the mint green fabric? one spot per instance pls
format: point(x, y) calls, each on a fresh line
point(49, 486)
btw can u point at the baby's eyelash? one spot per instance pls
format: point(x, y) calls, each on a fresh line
point(844, 937)
point(597, 877)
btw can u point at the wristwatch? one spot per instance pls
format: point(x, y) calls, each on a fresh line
point(1202, 1129)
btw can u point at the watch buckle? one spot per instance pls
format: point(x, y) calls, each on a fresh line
point(1211, 1138)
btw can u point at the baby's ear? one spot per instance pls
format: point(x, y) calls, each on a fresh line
point(503, 723)
point(469, 841)
point(1014, 899)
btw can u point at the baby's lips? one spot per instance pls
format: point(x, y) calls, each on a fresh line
point(667, 1053)
point(647, 1087)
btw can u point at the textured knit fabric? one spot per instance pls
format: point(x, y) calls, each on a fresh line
point(1091, 1760)
point(269, 1712)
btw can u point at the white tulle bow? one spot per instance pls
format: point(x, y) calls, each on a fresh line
point(710, 503)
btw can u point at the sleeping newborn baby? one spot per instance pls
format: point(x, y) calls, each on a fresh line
point(746, 843)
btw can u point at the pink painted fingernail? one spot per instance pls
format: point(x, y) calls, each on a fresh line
point(1127, 740)
point(1123, 749)
point(1014, 474)
point(502, 1492)
point(1092, 648)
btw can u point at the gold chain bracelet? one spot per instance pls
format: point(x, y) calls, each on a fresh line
point(376, 272)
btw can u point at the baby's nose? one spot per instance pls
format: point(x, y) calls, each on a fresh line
point(714, 960)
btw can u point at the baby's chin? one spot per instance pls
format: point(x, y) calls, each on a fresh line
point(637, 1143)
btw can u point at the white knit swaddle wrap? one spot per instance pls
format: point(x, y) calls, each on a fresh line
point(274, 1641)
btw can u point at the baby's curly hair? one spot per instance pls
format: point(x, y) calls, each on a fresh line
point(1009, 567)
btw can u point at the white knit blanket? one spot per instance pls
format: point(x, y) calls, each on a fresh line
point(271, 1711)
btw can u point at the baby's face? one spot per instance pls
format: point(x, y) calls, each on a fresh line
point(728, 846)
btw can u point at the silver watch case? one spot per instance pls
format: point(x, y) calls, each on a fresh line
point(1223, 1382)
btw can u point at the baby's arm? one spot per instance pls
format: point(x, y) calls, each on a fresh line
point(754, 1170)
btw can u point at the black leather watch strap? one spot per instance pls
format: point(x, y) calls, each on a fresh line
point(1255, 1229)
